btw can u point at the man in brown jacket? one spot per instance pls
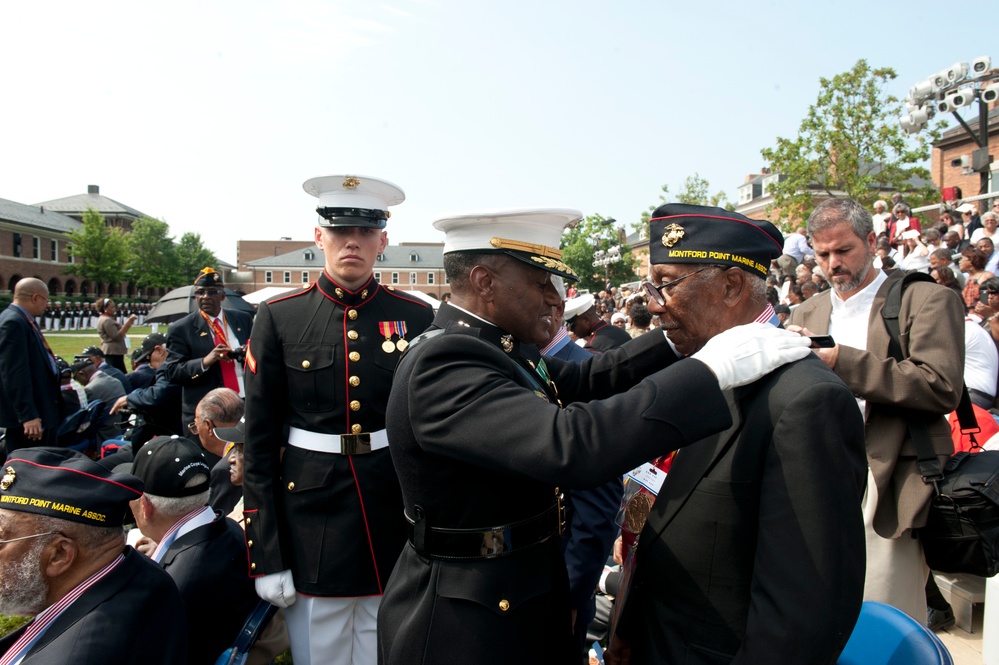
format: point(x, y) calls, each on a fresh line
point(928, 379)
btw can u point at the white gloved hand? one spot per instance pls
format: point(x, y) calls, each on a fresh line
point(276, 588)
point(745, 353)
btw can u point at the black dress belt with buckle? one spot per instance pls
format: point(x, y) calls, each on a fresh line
point(488, 543)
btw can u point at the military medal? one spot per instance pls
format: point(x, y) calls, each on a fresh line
point(400, 329)
point(385, 328)
point(636, 512)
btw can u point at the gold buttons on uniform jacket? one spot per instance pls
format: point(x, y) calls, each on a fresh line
point(354, 356)
point(352, 334)
point(248, 520)
point(253, 566)
point(306, 364)
point(504, 605)
point(249, 543)
point(355, 405)
point(352, 314)
point(355, 429)
point(291, 486)
point(354, 381)
point(339, 292)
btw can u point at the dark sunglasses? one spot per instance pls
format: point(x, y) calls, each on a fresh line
point(207, 292)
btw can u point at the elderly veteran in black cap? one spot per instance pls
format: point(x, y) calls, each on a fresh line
point(63, 561)
point(157, 406)
point(781, 575)
point(484, 432)
point(199, 548)
point(206, 347)
point(97, 357)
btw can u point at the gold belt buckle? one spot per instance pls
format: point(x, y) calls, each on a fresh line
point(355, 444)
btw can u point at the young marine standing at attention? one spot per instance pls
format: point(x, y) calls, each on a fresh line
point(324, 515)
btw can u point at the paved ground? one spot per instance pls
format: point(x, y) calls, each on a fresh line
point(965, 648)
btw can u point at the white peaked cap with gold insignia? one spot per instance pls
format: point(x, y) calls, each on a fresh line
point(354, 200)
point(531, 235)
point(578, 305)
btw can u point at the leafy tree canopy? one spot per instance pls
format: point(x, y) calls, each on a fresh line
point(850, 144)
point(695, 191)
point(580, 244)
point(152, 261)
point(99, 253)
point(191, 256)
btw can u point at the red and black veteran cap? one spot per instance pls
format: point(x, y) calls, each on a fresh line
point(61, 483)
point(681, 233)
point(167, 464)
point(208, 277)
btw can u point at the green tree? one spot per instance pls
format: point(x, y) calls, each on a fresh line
point(151, 255)
point(580, 244)
point(191, 256)
point(694, 192)
point(99, 253)
point(850, 145)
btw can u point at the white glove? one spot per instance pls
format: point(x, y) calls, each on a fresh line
point(743, 354)
point(277, 588)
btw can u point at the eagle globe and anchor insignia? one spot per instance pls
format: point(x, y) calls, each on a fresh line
point(9, 476)
point(673, 235)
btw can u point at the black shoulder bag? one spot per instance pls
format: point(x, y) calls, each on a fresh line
point(962, 530)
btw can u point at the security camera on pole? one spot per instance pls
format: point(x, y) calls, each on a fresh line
point(949, 90)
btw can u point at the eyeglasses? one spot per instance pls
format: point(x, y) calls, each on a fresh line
point(206, 292)
point(34, 535)
point(657, 293)
point(193, 426)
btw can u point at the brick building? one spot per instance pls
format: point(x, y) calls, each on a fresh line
point(33, 241)
point(33, 244)
point(408, 266)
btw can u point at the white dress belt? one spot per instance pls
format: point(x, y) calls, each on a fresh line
point(340, 444)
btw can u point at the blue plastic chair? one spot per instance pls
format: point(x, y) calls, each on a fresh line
point(885, 635)
point(85, 440)
point(257, 621)
point(70, 425)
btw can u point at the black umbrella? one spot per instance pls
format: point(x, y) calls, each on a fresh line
point(180, 302)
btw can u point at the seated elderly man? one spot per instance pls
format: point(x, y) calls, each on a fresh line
point(200, 549)
point(99, 386)
point(482, 444)
point(158, 404)
point(63, 561)
point(754, 550)
point(221, 408)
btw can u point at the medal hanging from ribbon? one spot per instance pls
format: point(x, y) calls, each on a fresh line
point(385, 328)
point(400, 329)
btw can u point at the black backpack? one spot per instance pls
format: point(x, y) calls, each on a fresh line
point(962, 529)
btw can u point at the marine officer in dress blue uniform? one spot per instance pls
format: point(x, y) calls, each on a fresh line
point(324, 516)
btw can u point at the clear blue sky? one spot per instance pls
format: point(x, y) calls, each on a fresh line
point(211, 115)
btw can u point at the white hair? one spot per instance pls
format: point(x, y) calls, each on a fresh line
point(559, 285)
